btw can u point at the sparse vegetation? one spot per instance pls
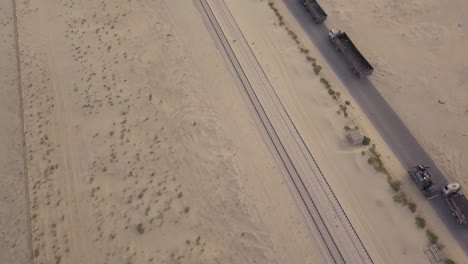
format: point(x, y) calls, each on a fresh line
point(449, 261)
point(420, 222)
point(433, 238)
point(344, 109)
point(325, 83)
point(400, 198)
point(140, 228)
point(317, 68)
point(187, 210)
point(366, 141)
point(309, 58)
point(412, 207)
point(376, 161)
point(304, 50)
point(347, 128)
point(394, 184)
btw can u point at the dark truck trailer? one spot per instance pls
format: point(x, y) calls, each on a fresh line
point(343, 43)
point(456, 202)
point(318, 15)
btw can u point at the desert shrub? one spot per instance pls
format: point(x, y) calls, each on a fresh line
point(366, 141)
point(420, 222)
point(412, 207)
point(317, 68)
point(325, 82)
point(304, 50)
point(309, 58)
point(140, 228)
point(449, 261)
point(331, 92)
point(433, 238)
point(344, 110)
point(395, 184)
point(347, 128)
point(400, 198)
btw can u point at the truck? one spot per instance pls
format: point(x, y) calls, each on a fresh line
point(421, 176)
point(359, 65)
point(457, 202)
point(318, 15)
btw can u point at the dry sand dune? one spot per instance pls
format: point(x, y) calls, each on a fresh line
point(139, 146)
point(419, 51)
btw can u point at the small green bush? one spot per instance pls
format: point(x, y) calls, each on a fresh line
point(140, 228)
point(309, 58)
point(396, 185)
point(400, 198)
point(317, 69)
point(325, 82)
point(420, 222)
point(433, 238)
point(412, 207)
point(331, 92)
point(449, 261)
point(366, 141)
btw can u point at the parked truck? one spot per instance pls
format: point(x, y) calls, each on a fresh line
point(360, 66)
point(456, 201)
point(318, 15)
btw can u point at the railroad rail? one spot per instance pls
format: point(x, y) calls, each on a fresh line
point(320, 203)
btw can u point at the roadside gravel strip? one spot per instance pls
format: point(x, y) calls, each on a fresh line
point(319, 201)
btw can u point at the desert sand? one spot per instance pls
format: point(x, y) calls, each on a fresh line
point(140, 147)
point(15, 246)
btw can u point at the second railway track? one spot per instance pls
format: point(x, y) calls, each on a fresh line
point(330, 221)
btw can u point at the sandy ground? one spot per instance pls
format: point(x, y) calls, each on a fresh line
point(139, 153)
point(419, 51)
point(141, 149)
point(14, 222)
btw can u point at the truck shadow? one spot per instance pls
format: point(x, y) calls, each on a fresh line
point(394, 132)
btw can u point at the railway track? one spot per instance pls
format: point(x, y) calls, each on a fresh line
point(320, 203)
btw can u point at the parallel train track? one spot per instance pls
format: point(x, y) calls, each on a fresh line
point(320, 203)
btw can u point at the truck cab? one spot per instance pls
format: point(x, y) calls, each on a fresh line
point(451, 189)
point(333, 33)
